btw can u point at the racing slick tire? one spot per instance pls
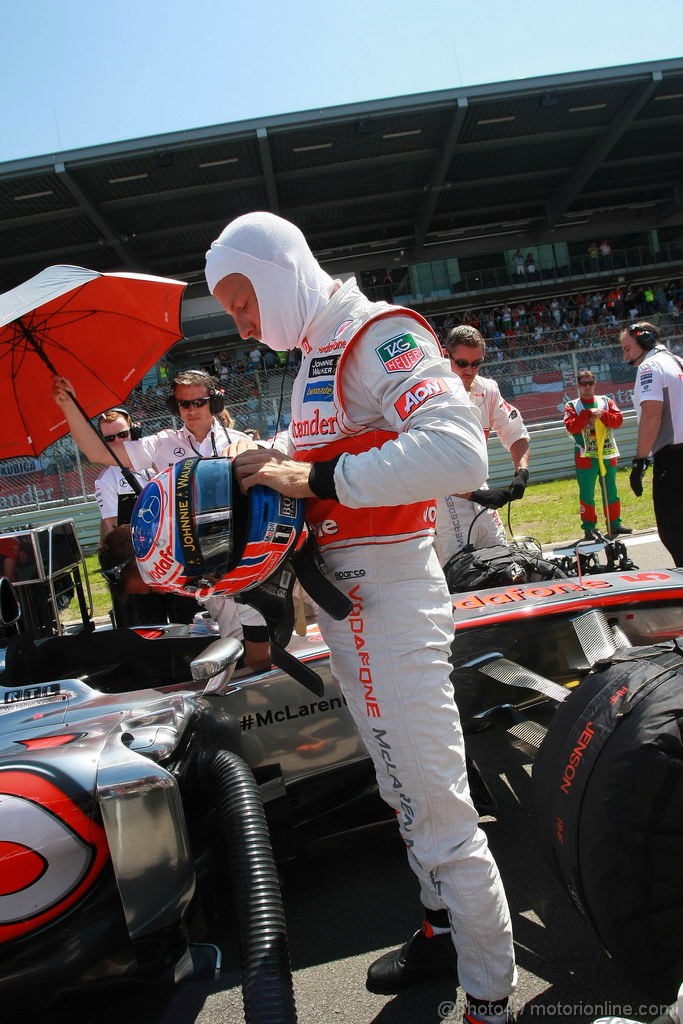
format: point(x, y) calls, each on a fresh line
point(608, 801)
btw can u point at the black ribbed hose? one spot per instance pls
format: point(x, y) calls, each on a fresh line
point(267, 989)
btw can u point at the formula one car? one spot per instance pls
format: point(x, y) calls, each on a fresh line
point(135, 764)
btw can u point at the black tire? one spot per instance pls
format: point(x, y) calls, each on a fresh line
point(608, 800)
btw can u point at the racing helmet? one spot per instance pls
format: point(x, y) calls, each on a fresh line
point(195, 533)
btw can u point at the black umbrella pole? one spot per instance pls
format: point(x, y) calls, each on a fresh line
point(127, 474)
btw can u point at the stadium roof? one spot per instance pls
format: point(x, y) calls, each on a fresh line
point(450, 173)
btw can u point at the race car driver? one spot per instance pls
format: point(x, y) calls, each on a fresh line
point(376, 414)
point(460, 519)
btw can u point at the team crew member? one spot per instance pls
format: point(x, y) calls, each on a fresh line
point(466, 350)
point(590, 419)
point(376, 415)
point(115, 426)
point(195, 396)
point(658, 398)
point(116, 499)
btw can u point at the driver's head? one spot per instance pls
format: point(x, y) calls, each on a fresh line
point(263, 273)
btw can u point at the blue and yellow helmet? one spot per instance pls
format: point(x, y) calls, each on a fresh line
point(194, 532)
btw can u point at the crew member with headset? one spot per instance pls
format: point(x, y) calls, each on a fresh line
point(116, 499)
point(196, 397)
point(199, 400)
point(658, 399)
point(114, 494)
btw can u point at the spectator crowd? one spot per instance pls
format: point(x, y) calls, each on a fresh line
point(564, 322)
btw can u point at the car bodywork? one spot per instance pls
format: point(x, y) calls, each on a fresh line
point(107, 829)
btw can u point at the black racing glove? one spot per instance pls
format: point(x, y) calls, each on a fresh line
point(495, 497)
point(637, 474)
point(518, 485)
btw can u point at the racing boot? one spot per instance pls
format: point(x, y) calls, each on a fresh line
point(478, 1012)
point(425, 955)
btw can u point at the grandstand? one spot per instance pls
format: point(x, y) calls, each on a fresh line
point(426, 199)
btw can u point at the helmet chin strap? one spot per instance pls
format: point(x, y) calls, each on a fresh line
point(273, 599)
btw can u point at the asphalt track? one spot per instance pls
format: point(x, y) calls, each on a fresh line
point(347, 908)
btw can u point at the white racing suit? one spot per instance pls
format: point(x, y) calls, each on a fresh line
point(455, 515)
point(373, 384)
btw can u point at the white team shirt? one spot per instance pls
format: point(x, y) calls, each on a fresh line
point(660, 379)
point(157, 451)
point(495, 413)
point(460, 521)
point(109, 485)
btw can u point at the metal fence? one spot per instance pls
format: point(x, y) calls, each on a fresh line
point(537, 374)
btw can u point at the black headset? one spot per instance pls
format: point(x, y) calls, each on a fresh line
point(135, 428)
point(214, 389)
point(645, 338)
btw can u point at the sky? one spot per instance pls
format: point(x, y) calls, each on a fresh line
point(78, 73)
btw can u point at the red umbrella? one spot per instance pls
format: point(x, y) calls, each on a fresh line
point(101, 331)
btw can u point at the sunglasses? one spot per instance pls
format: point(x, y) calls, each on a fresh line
point(193, 403)
point(110, 438)
point(463, 364)
point(586, 383)
point(115, 572)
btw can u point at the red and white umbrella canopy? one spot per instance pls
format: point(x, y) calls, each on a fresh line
point(103, 332)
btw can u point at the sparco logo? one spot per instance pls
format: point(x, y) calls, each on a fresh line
point(350, 574)
point(575, 757)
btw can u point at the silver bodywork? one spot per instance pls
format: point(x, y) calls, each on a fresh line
point(122, 757)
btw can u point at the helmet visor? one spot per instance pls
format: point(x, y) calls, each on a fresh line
point(213, 516)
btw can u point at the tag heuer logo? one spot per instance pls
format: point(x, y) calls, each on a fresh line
point(400, 354)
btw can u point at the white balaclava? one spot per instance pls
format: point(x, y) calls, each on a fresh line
point(291, 287)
